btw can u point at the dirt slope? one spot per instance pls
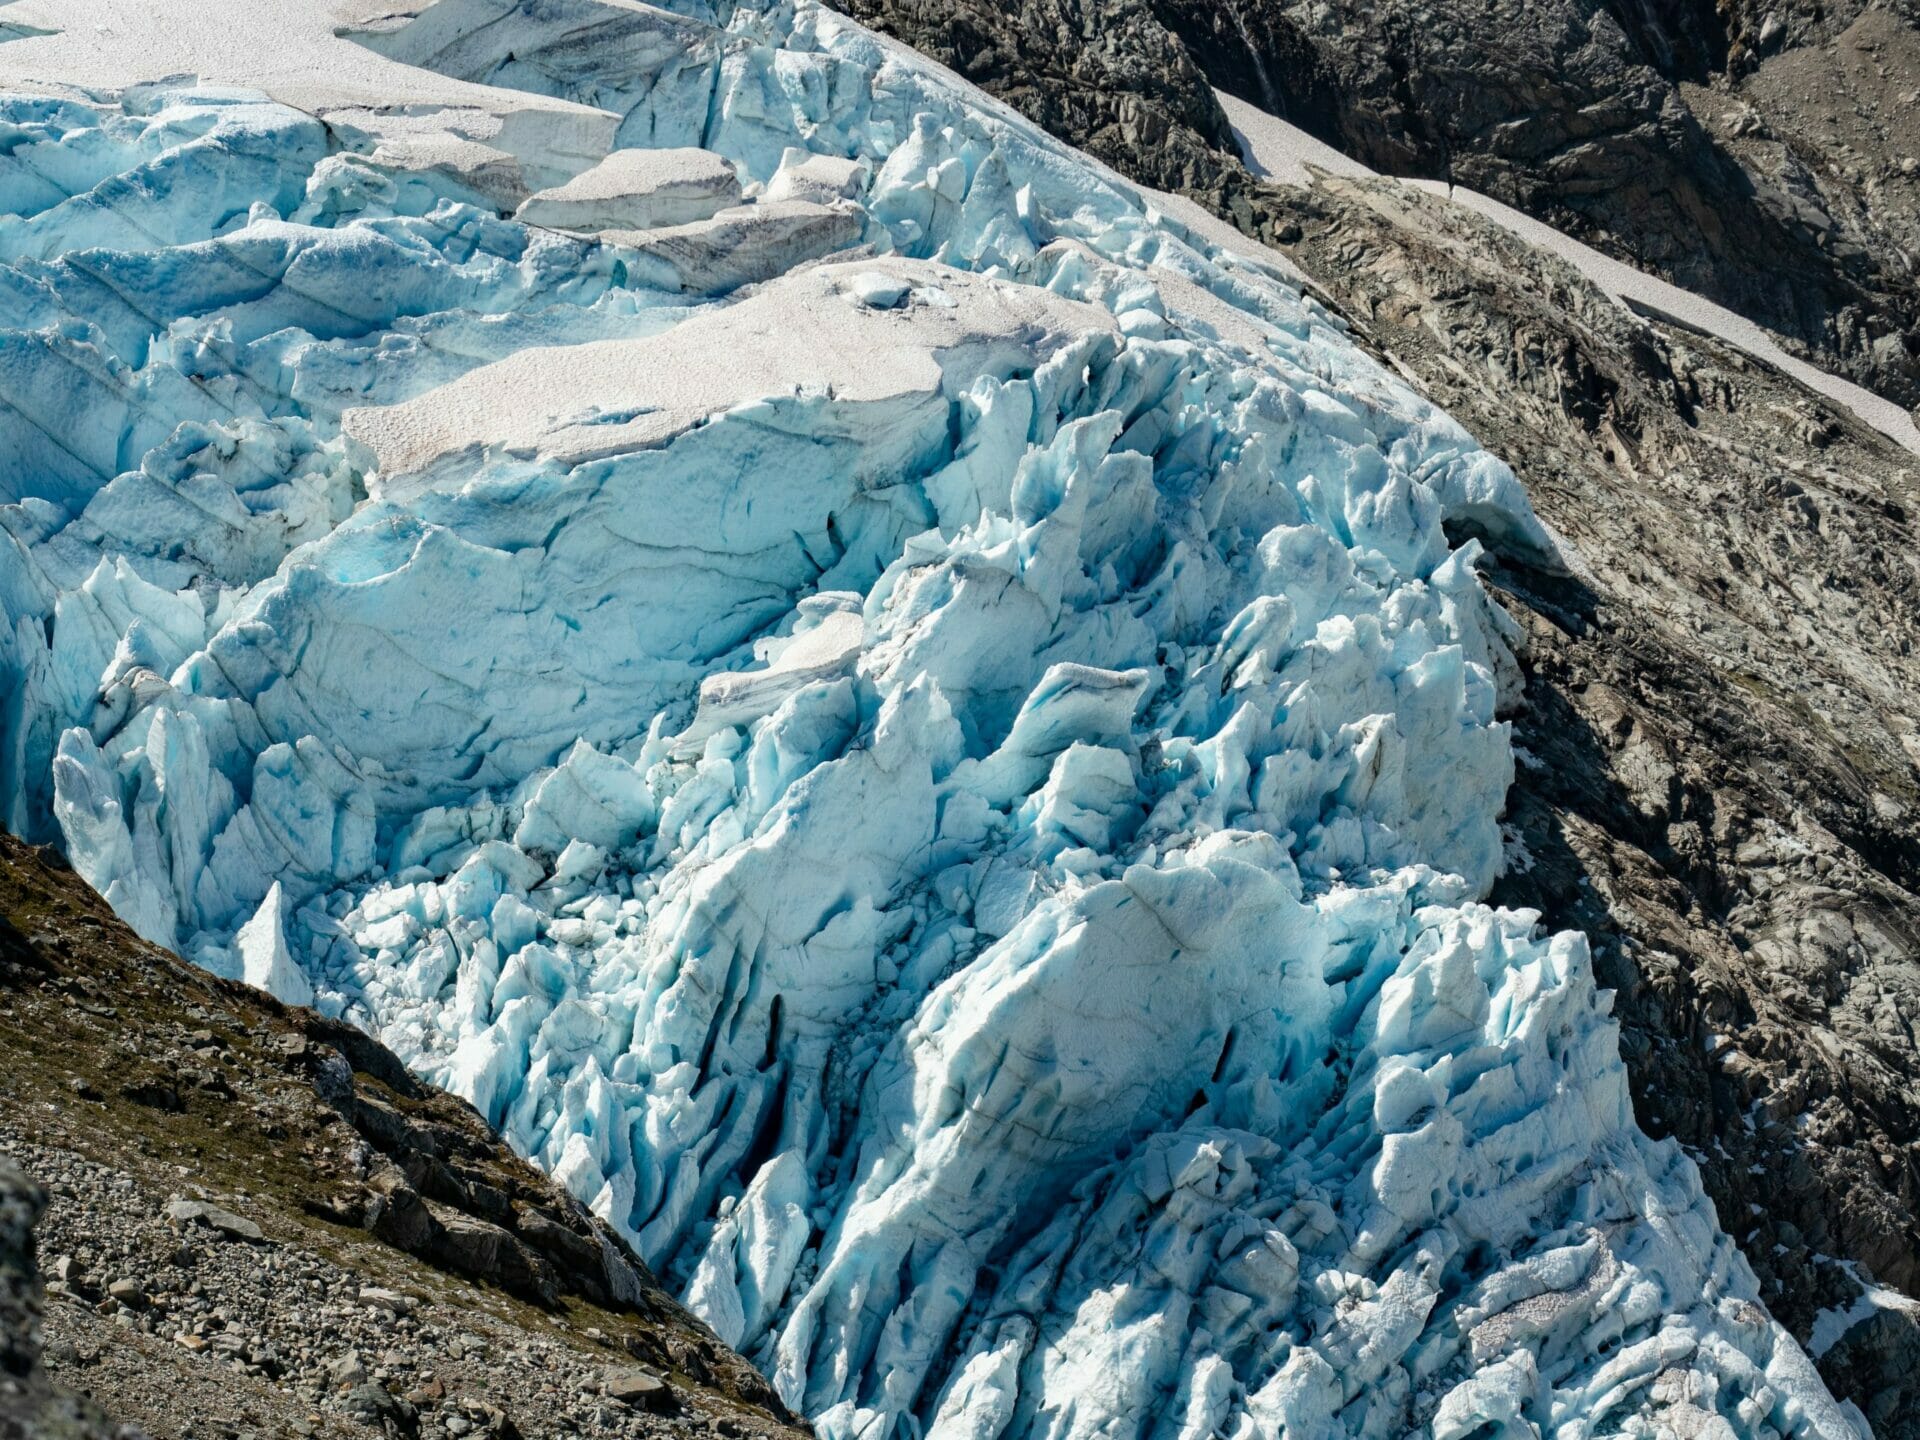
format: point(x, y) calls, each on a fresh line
point(257, 1223)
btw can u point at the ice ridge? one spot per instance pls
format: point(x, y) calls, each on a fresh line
point(922, 735)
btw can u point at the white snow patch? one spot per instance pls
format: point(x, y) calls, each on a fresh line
point(1831, 1325)
point(796, 338)
point(302, 53)
point(638, 190)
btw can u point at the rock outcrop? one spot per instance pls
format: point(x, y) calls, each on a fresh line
point(258, 1214)
point(32, 1406)
point(1753, 152)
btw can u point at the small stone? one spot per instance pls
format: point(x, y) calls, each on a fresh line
point(129, 1293)
point(634, 1386)
point(392, 1301)
point(187, 1212)
point(346, 1372)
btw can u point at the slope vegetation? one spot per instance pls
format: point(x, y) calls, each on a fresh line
point(257, 1217)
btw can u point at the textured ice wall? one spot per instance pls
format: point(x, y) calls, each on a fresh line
point(943, 791)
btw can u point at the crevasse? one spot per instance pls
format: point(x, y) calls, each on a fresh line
point(901, 715)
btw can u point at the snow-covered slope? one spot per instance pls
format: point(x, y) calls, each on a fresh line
point(905, 723)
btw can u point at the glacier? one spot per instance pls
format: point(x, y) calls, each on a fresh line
point(915, 723)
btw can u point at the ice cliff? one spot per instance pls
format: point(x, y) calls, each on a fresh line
point(902, 717)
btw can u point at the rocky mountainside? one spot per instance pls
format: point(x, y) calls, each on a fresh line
point(1720, 777)
point(1765, 155)
point(1762, 154)
point(255, 1222)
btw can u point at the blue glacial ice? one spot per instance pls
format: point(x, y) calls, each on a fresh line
point(904, 716)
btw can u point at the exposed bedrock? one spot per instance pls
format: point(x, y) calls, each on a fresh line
point(1754, 153)
point(1751, 152)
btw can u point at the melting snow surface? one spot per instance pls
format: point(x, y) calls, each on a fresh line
point(915, 736)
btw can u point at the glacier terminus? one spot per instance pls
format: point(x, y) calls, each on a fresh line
point(914, 722)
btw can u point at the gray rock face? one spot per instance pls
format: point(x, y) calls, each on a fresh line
point(31, 1406)
point(1104, 73)
point(1749, 151)
point(1722, 782)
point(356, 1246)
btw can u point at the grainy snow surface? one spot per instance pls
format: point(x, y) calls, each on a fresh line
point(917, 739)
